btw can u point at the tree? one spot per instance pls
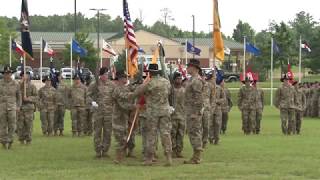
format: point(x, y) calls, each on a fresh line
point(91, 59)
point(4, 43)
point(166, 14)
point(243, 29)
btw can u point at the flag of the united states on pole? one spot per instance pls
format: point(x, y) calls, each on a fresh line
point(130, 38)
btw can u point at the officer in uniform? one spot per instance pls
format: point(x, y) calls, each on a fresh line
point(178, 118)
point(62, 104)
point(26, 113)
point(47, 97)
point(78, 102)
point(259, 105)
point(10, 102)
point(121, 114)
point(300, 106)
point(225, 108)
point(89, 112)
point(100, 97)
point(286, 103)
point(194, 110)
point(246, 101)
point(156, 91)
point(207, 112)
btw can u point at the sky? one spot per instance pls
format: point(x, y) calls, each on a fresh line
point(258, 13)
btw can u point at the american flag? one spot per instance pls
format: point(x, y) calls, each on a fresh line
point(130, 38)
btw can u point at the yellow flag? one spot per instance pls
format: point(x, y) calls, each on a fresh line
point(217, 36)
point(155, 56)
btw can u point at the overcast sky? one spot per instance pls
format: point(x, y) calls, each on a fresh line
point(258, 13)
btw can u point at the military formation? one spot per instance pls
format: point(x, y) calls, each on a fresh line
point(157, 108)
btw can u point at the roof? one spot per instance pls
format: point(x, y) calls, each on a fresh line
point(209, 42)
point(63, 36)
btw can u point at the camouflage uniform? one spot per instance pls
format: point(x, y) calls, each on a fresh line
point(193, 109)
point(178, 120)
point(207, 112)
point(10, 101)
point(300, 107)
point(62, 103)
point(47, 96)
point(216, 119)
point(246, 104)
point(314, 101)
point(259, 104)
point(78, 102)
point(225, 108)
point(285, 101)
point(120, 117)
point(102, 116)
point(26, 113)
point(156, 93)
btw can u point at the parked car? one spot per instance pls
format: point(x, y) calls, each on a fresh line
point(18, 71)
point(231, 77)
point(67, 73)
point(86, 72)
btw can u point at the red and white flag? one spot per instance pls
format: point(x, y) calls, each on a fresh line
point(106, 47)
point(305, 46)
point(46, 48)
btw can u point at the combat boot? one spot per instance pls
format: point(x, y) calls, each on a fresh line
point(119, 157)
point(61, 133)
point(56, 133)
point(178, 154)
point(216, 141)
point(74, 134)
point(104, 154)
point(9, 145)
point(169, 159)
point(98, 155)
point(195, 158)
point(4, 145)
point(130, 154)
point(149, 160)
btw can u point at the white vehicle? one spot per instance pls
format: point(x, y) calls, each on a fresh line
point(18, 71)
point(67, 73)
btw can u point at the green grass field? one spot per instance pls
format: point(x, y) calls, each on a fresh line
point(267, 156)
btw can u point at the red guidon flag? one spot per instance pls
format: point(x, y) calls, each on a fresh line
point(106, 47)
point(46, 48)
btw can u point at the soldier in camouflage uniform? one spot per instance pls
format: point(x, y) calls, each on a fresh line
point(300, 106)
point(194, 108)
point(89, 112)
point(259, 105)
point(78, 101)
point(207, 112)
point(100, 97)
point(10, 102)
point(121, 114)
point(62, 104)
point(314, 100)
point(216, 119)
point(178, 118)
point(28, 107)
point(225, 108)
point(285, 102)
point(47, 98)
point(246, 101)
point(156, 91)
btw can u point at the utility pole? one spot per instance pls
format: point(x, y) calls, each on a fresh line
point(75, 18)
point(166, 14)
point(193, 33)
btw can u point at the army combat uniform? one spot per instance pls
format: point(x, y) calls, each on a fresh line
point(178, 120)
point(26, 113)
point(120, 118)
point(216, 119)
point(300, 107)
point(207, 111)
point(225, 108)
point(10, 102)
point(47, 98)
point(101, 93)
point(246, 104)
point(259, 105)
point(78, 102)
point(285, 102)
point(62, 103)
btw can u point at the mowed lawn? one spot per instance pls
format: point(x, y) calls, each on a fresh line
point(267, 156)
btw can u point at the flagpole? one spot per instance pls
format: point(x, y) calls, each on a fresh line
point(214, 45)
point(24, 75)
point(244, 58)
point(186, 49)
point(71, 61)
point(300, 54)
point(127, 65)
point(101, 54)
point(10, 51)
point(41, 45)
point(271, 92)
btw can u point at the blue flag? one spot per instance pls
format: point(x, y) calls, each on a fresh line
point(252, 49)
point(276, 48)
point(192, 49)
point(219, 76)
point(78, 49)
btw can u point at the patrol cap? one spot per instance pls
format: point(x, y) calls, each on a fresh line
point(194, 63)
point(153, 67)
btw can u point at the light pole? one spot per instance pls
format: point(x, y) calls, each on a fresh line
point(75, 18)
point(193, 33)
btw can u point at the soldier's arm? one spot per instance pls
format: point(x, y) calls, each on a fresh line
point(141, 89)
point(222, 97)
point(230, 104)
point(197, 87)
point(121, 97)
point(304, 102)
point(18, 97)
point(276, 98)
point(34, 94)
